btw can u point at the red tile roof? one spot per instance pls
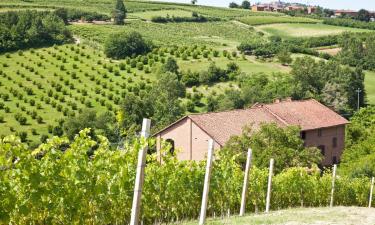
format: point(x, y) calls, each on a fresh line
point(308, 114)
point(222, 125)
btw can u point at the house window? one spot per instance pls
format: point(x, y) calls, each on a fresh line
point(334, 142)
point(171, 143)
point(319, 132)
point(322, 149)
point(303, 135)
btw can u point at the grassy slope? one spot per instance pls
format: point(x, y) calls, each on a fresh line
point(260, 20)
point(106, 6)
point(370, 86)
point(89, 74)
point(224, 35)
point(305, 30)
point(307, 216)
point(147, 15)
point(48, 72)
point(215, 34)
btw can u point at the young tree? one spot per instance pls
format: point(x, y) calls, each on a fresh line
point(170, 66)
point(246, 4)
point(119, 13)
point(122, 45)
point(284, 57)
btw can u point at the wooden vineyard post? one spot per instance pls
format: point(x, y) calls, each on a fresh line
point(333, 184)
point(270, 174)
point(207, 178)
point(245, 183)
point(371, 192)
point(139, 179)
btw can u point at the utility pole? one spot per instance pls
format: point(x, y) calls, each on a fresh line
point(358, 94)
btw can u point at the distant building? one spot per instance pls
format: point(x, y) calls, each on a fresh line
point(258, 8)
point(311, 10)
point(294, 8)
point(346, 13)
point(320, 127)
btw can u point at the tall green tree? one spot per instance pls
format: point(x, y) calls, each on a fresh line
point(165, 99)
point(271, 141)
point(352, 50)
point(246, 4)
point(359, 154)
point(233, 5)
point(100, 124)
point(363, 15)
point(119, 13)
point(133, 110)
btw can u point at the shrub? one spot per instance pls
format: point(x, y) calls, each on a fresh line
point(39, 119)
point(34, 132)
point(22, 135)
point(140, 66)
point(43, 138)
point(122, 45)
point(2, 119)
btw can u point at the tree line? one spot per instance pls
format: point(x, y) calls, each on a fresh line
point(178, 19)
point(29, 29)
point(345, 22)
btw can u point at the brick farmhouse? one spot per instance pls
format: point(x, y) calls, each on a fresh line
point(320, 127)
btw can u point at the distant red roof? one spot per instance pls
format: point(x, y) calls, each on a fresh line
point(308, 114)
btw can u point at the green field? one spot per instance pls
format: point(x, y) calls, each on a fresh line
point(261, 20)
point(213, 33)
point(370, 87)
point(305, 30)
point(306, 216)
point(147, 15)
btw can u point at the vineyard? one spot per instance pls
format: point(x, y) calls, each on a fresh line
point(86, 182)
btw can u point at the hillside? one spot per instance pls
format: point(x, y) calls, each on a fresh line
point(46, 86)
point(306, 216)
